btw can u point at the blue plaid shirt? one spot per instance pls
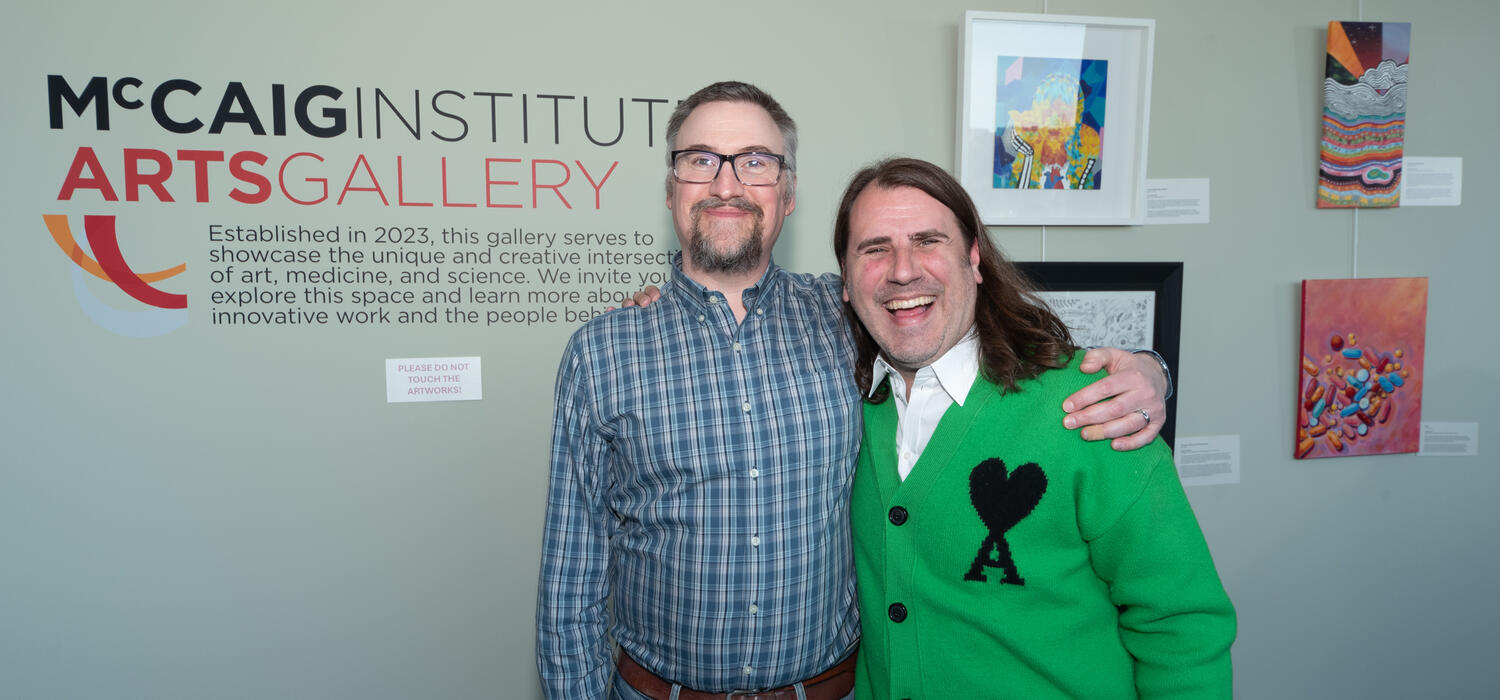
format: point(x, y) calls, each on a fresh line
point(698, 508)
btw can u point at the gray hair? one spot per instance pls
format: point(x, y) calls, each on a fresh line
point(735, 91)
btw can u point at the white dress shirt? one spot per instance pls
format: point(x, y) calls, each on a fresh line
point(934, 388)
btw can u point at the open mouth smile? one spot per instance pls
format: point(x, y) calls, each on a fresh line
point(912, 308)
point(912, 303)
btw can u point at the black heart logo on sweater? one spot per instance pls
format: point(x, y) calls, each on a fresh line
point(1002, 500)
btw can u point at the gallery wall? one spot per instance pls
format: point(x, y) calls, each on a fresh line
point(197, 507)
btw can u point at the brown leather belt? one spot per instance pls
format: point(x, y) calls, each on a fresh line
point(833, 684)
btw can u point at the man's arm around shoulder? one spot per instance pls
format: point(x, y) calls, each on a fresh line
point(1128, 404)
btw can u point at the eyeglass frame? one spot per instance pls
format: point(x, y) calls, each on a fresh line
point(733, 167)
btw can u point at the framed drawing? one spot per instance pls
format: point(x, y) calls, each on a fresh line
point(1123, 304)
point(1056, 108)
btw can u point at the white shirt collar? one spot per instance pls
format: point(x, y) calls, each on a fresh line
point(955, 371)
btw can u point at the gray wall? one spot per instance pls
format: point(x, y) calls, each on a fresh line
point(236, 513)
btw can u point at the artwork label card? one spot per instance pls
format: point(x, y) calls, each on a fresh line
point(1177, 201)
point(1208, 460)
point(1432, 182)
point(1450, 440)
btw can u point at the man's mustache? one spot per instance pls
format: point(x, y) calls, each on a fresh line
point(740, 203)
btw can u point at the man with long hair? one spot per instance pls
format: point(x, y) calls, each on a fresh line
point(996, 554)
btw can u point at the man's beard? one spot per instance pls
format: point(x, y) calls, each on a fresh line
point(743, 257)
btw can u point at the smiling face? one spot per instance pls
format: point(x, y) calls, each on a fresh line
point(724, 226)
point(910, 275)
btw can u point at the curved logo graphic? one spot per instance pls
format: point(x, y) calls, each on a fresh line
point(169, 310)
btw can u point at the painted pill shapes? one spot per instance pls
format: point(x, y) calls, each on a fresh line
point(1305, 446)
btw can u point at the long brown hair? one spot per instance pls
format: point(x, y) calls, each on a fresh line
point(1019, 335)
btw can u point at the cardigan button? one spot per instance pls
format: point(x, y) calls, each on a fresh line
point(898, 516)
point(897, 612)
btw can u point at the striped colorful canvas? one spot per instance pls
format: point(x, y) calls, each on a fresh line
point(1364, 114)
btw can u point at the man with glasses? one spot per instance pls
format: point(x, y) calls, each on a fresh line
point(698, 507)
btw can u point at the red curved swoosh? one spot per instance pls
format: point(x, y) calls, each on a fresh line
point(101, 235)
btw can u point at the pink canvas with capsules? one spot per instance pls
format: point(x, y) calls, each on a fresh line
point(1359, 390)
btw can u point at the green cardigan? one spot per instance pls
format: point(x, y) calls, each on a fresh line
point(1019, 561)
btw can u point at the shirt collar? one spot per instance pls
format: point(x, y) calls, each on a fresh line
point(956, 370)
point(701, 296)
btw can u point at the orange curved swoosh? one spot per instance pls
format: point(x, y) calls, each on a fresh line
point(57, 224)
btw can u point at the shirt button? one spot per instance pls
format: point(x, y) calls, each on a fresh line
point(898, 516)
point(754, 473)
point(748, 670)
point(713, 300)
point(897, 612)
point(736, 347)
point(754, 608)
point(746, 406)
point(760, 312)
point(702, 318)
point(755, 541)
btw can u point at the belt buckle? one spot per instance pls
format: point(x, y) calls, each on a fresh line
point(743, 694)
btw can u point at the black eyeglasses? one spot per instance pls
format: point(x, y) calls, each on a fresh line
point(754, 169)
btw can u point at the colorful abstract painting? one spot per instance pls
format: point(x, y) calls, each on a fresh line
point(1359, 391)
point(1364, 114)
point(1049, 131)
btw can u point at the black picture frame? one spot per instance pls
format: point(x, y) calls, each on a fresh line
point(1164, 279)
